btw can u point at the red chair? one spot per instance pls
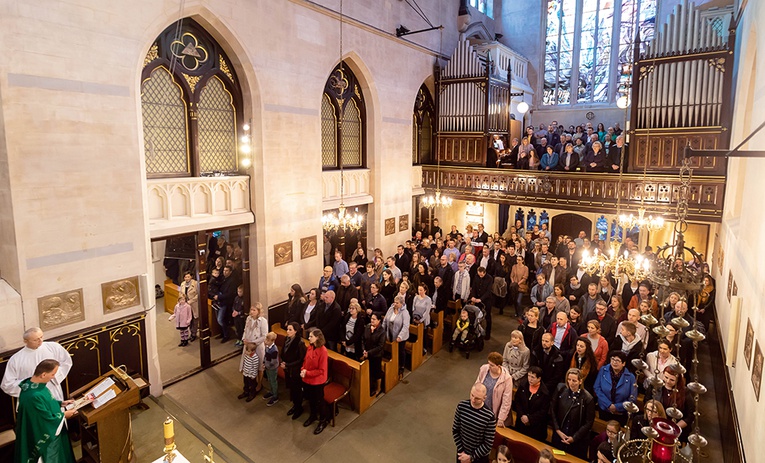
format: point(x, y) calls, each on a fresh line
point(339, 387)
point(523, 452)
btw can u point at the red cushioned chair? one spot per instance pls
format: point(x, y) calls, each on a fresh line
point(339, 387)
point(523, 452)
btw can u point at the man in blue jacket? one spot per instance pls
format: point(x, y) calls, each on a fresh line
point(615, 385)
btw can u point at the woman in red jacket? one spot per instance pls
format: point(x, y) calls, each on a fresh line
point(314, 374)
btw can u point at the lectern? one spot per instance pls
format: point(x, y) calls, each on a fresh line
point(106, 430)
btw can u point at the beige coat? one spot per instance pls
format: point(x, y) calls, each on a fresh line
point(193, 295)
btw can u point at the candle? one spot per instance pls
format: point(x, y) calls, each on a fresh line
point(168, 428)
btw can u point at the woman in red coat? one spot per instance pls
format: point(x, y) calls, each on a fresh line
point(314, 374)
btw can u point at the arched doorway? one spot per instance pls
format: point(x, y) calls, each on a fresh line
point(570, 224)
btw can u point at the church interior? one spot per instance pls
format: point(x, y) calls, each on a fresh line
point(149, 147)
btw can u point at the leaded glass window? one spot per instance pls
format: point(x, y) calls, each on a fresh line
point(191, 105)
point(484, 6)
point(342, 96)
point(217, 128)
point(164, 125)
point(591, 57)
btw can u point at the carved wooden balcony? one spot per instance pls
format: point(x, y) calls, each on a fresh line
point(579, 191)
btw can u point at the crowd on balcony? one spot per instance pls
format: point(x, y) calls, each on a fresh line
point(553, 147)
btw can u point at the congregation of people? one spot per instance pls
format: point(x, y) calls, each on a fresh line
point(553, 147)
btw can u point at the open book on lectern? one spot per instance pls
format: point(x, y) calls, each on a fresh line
point(101, 393)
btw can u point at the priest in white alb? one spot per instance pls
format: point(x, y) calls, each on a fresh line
point(23, 363)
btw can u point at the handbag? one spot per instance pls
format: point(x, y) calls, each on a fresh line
point(499, 288)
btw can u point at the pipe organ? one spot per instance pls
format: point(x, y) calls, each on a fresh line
point(681, 91)
point(472, 101)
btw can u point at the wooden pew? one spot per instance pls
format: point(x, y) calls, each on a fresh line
point(390, 367)
point(436, 335)
point(359, 388)
point(503, 434)
point(415, 348)
point(451, 320)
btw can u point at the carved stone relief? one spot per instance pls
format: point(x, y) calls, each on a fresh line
point(308, 247)
point(61, 309)
point(120, 294)
point(282, 253)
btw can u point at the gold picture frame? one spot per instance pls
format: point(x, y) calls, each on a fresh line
point(757, 370)
point(282, 253)
point(308, 247)
point(390, 226)
point(748, 343)
point(61, 309)
point(120, 294)
point(403, 222)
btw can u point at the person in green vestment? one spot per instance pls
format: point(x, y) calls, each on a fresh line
point(41, 434)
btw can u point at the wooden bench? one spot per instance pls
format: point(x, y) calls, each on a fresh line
point(505, 436)
point(451, 319)
point(436, 335)
point(390, 367)
point(415, 348)
point(359, 394)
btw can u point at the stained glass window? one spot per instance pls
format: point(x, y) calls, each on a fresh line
point(484, 6)
point(588, 59)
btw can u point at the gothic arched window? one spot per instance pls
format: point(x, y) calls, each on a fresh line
point(422, 128)
point(342, 108)
point(191, 105)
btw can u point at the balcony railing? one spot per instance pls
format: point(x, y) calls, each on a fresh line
point(183, 205)
point(580, 191)
point(356, 188)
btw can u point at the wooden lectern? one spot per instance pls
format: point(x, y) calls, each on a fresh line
point(106, 431)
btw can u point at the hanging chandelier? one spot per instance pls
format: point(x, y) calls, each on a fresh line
point(613, 262)
point(640, 221)
point(342, 220)
point(437, 200)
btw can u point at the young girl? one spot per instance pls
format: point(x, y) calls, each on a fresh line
point(250, 367)
point(182, 315)
point(503, 455)
point(272, 366)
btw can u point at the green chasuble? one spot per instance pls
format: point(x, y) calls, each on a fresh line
point(38, 420)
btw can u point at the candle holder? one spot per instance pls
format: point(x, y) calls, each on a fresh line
point(169, 434)
point(664, 445)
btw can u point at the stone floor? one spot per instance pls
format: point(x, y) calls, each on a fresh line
point(411, 423)
point(175, 361)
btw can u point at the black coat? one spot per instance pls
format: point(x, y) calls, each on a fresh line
point(293, 354)
point(374, 342)
point(330, 321)
point(295, 308)
point(482, 289)
point(535, 407)
point(571, 413)
point(357, 337)
point(344, 296)
point(553, 366)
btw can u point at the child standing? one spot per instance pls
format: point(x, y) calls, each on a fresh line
point(182, 315)
point(239, 315)
point(272, 366)
point(461, 329)
point(250, 367)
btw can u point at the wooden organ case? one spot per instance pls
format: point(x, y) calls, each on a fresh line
point(472, 100)
point(682, 91)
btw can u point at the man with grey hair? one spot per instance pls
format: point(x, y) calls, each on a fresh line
point(615, 151)
point(23, 363)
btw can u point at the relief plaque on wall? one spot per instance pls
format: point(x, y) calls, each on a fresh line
point(403, 222)
point(120, 294)
point(390, 226)
point(730, 284)
point(282, 253)
point(308, 247)
point(61, 309)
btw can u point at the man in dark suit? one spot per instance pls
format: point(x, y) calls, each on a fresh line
point(480, 293)
point(548, 358)
point(607, 322)
point(402, 259)
point(486, 261)
point(329, 320)
point(615, 154)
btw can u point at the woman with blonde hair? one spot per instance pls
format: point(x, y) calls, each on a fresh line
point(516, 356)
point(653, 409)
point(531, 329)
point(255, 331)
point(598, 343)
